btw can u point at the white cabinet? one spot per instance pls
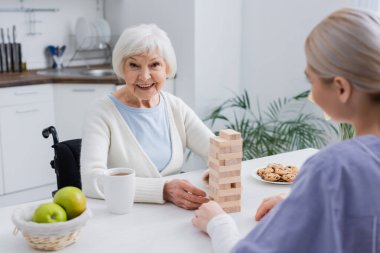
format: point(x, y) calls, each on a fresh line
point(25, 172)
point(25, 154)
point(71, 103)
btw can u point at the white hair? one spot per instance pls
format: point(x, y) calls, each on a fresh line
point(143, 39)
point(347, 44)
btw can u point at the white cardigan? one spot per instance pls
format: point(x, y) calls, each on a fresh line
point(108, 142)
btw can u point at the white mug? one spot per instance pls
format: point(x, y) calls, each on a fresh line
point(119, 189)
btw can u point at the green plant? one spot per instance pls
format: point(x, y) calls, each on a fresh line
point(346, 131)
point(283, 127)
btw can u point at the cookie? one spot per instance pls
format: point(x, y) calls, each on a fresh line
point(276, 172)
point(273, 177)
point(289, 177)
point(268, 170)
point(262, 171)
point(286, 170)
point(275, 166)
point(292, 169)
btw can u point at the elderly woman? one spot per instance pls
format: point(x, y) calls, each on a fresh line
point(142, 127)
point(334, 205)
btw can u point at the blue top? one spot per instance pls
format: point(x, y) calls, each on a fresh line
point(334, 205)
point(150, 126)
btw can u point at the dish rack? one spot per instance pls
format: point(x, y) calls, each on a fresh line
point(101, 51)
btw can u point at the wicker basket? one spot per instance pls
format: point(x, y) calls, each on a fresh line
point(48, 237)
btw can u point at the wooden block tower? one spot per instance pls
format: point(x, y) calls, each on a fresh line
point(224, 162)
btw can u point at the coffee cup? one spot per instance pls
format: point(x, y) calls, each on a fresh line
point(118, 189)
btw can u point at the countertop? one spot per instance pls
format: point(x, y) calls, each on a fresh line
point(31, 77)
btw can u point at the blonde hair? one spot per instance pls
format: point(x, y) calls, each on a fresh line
point(347, 44)
point(143, 39)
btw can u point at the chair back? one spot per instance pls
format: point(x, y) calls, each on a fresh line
point(67, 163)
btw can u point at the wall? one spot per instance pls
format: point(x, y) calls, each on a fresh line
point(217, 52)
point(56, 28)
point(273, 35)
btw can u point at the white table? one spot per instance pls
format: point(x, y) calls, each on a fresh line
point(158, 228)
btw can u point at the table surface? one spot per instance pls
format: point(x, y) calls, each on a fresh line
point(159, 228)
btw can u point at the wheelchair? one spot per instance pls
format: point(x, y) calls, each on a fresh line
point(66, 162)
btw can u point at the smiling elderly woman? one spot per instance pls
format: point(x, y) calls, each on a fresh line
point(141, 127)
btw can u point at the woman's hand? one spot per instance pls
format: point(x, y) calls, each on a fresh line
point(183, 194)
point(268, 205)
point(205, 213)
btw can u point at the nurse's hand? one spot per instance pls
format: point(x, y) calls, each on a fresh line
point(205, 213)
point(183, 194)
point(268, 204)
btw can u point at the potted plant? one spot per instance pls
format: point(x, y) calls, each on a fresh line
point(284, 126)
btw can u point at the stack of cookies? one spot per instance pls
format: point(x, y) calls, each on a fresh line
point(275, 172)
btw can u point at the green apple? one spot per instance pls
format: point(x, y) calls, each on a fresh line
point(72, 200)
point(49, 213)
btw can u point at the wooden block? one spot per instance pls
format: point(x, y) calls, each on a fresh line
point(229, 134)
point(236, 185)
point(218, 187)
point(224, 195)
point(229, 204)
point(233, 209)
point(223, 189)
point(212, 191)
point(229, 192)
point(216, 198)
point(219, 142)
point(228, 180)
point(219, 174)
point(215, 182)
point(212, 153)
point(236, 161)
point(216, 161)
point(229, 198)
point(236, 149)
point(222, 143)
point(224, 186)
point(221, 168)
point(229, 156)
point(232, 173)
point(232, 161)
point(222, 199)
point(225, 150)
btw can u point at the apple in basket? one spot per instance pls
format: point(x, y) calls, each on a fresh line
point(72, 200)
point(49, 213)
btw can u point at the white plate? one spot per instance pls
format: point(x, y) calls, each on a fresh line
point(104, 30)
point(86, 34)
point(255, 176)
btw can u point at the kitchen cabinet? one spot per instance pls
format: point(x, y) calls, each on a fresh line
point(25, 154)
point(71, 103)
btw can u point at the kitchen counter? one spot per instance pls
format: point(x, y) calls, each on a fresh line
point(31, 78)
